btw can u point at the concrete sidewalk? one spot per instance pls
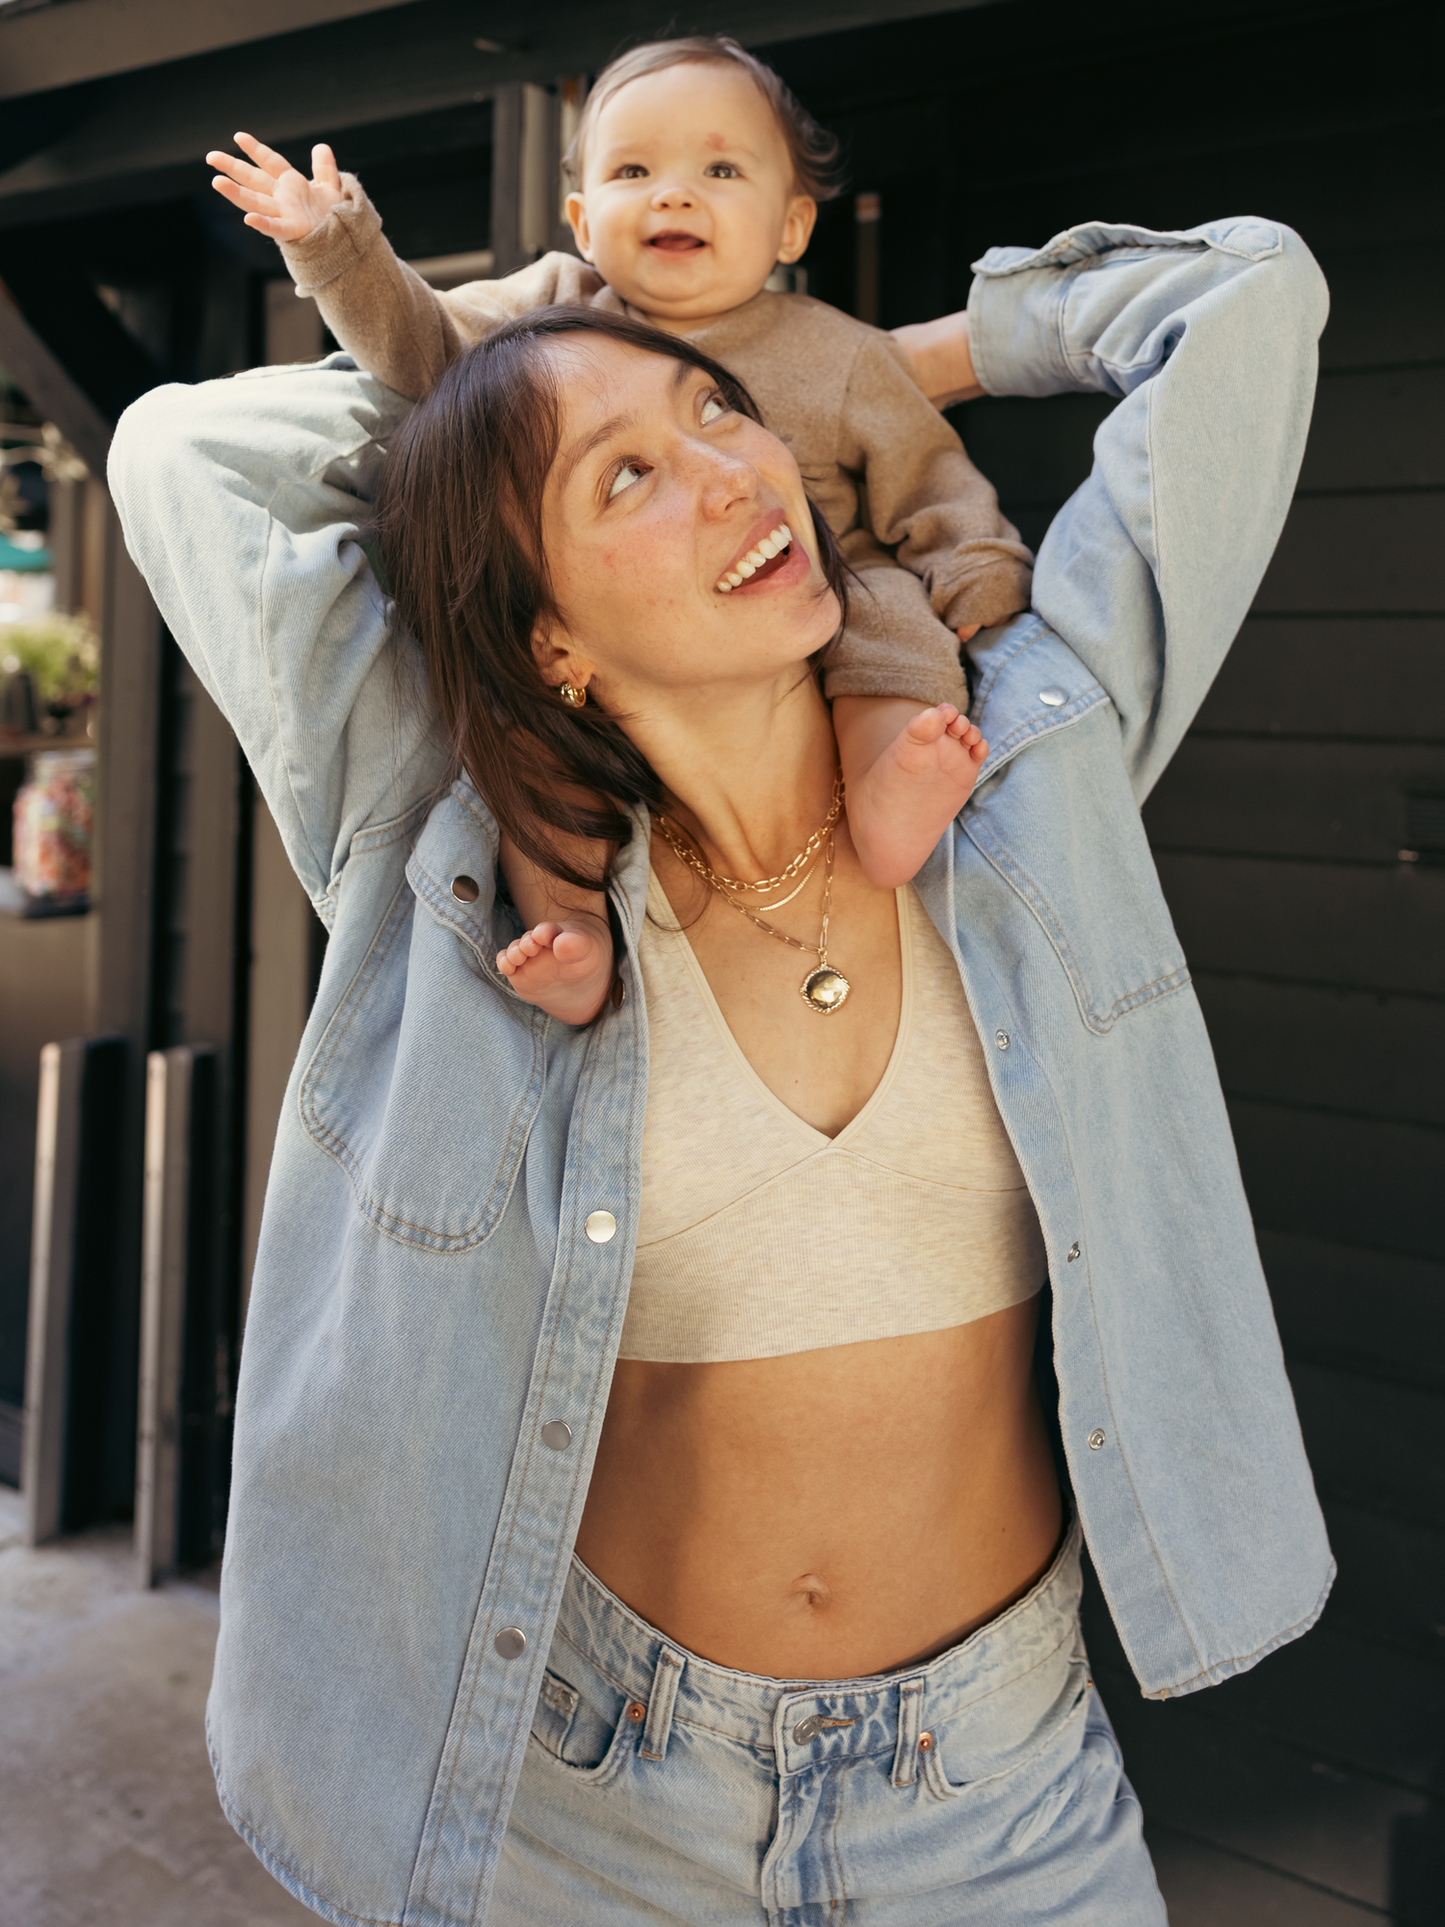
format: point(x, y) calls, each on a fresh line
point(108, 1813)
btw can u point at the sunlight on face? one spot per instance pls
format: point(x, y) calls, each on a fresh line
point(660, 488)
point(687, 200)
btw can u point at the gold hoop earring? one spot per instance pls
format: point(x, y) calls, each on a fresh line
point(573, 694)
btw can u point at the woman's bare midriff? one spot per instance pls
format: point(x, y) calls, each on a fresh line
point(832, 1513)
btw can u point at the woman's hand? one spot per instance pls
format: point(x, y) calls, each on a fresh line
point(276, 197)
point(941, 357)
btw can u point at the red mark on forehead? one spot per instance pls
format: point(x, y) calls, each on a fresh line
point(717, 142)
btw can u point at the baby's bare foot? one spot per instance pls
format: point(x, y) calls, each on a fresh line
point(903, 802)
point(562, 968)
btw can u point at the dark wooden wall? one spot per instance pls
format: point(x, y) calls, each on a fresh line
point(1303, 857)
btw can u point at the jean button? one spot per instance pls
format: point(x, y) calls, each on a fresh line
point(557, 1435)
point(1096, 1439)
point(465, 889)
point(600, 1226)
point(511, 1642)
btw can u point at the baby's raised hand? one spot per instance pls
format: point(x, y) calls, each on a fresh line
point(274, 196)
point(563, 968)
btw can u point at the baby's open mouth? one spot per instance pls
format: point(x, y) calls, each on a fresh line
point(675, 242)
point(765, 558)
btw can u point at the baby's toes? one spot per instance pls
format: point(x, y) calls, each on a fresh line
point(931, 724)
point(575, 947)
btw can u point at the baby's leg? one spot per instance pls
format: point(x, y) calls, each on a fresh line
point(908, 774)
point(563, 962)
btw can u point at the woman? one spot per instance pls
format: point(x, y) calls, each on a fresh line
point(818, 1655)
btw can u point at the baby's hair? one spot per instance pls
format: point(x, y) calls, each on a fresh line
point(814, 151)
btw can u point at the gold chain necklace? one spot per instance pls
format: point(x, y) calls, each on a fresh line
point(825, 988)
point(763, 884)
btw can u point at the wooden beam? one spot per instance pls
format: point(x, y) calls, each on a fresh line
point(32, 367)
point(163, 118)
point(92, 38)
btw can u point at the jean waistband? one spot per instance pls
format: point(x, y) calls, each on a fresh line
point(991, 1689)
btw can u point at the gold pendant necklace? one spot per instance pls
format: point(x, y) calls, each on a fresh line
point(825, 988)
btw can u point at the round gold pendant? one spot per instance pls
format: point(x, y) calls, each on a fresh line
point(825, 990)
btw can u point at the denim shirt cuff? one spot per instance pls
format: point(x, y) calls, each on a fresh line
point(1013, 324)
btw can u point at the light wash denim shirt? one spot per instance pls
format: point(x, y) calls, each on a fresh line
point(434, 1283)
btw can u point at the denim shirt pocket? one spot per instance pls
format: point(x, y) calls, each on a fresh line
point(1053, 774)
point(428, 1049)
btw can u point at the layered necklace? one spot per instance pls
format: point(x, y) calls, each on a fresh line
point(824, 989)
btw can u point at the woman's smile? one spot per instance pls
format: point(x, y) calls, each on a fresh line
point(768, 557)
point(667, 493)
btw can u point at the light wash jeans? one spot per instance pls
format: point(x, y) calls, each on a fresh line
point(984, 1786)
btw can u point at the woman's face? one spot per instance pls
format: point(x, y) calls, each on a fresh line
point(658, 494)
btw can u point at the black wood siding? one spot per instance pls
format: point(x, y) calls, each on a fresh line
point(1309, 1791)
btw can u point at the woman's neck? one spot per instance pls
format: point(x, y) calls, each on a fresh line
point(749, 773)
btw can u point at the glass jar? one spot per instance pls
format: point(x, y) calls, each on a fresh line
point(54, 823)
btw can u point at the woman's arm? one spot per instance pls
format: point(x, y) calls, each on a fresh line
point(244, 503)
point(1209, 337)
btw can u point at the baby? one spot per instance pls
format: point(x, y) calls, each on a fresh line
point(695, 171)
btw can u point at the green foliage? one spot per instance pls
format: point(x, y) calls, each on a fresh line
point(60, 652)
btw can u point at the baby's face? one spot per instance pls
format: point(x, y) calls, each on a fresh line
point(687, 198)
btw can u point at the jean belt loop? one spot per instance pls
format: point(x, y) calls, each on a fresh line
point(665, 1681)
point(910, 1725)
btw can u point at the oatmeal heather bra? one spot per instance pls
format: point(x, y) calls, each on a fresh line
point(453, 1208)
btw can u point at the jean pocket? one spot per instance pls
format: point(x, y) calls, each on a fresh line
point(1061, 1731)
point(588, 1741)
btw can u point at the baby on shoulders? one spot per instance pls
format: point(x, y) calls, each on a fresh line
point(695, 171)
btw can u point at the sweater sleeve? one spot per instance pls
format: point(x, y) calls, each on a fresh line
point(924, 496)
point(392, 322)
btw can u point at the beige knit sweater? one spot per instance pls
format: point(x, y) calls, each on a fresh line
point(918, 524)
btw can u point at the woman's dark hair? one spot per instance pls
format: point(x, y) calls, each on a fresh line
point(459, 521)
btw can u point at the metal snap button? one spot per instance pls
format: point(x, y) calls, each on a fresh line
point(1054, 698)
point(810, 1728)
point(636, 1712)
point(1096, 1439)
point(1073, 1252)
point(925, 1742)
point(1001, 1038)
point(600, 1226)
point(557, 1434)
point(465, 889)
point(511, 1642)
